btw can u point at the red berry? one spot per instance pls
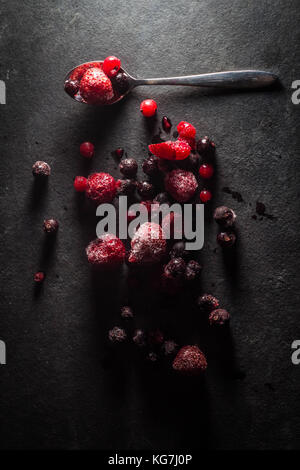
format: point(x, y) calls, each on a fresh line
point(148, 108)
point(148, 245)
point(181, 184)
point(178, 150)
point(87, 149)
point(119, 152)
point(101, 187)
point(206, 171)
point(106, 251)
point(96, 87)
point(80, 184)
point(77, 73)
point(182, 149)
point(111, 66)
point(166, 124)
point(205, 195)
point(185, 129)
point(190, 361)
point(39, 277)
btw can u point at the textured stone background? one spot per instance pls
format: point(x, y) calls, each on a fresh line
point(61, 388)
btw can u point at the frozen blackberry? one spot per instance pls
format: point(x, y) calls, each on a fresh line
point(145, 189)
point(226, 239)
point(208, 302)
point(139, 337)
point(128, 167)
point(126, 312)
point(117, 335)
point(40, 168)
point(169, 347)
point(175, 268)
point(224, 216)
point(50, 226)
point(178, 251)
point(193, 270)
point(126, 187)
point(218, 317)
point(150, 165)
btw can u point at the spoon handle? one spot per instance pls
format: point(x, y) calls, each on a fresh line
point(236, 79)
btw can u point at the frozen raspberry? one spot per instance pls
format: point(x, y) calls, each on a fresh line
point(50, 226)
point(117, 335)
point(169, 347)
point(177, 150)
point(185, 129)
point(71, 87)
point(207, 303)
point(39, 277)
point(166, 124)
point(80, 184)
point(148, 108)
point(107, 250)
point(145, 189)
point(206, 171)
point(175, 269)
point(218, 317)
point(181, 184)
point(178, 251)
point(139, 338)
point(162, 198)
point(150, 165)
point(226, 239)
point(148, 245)
point(128, 167)
point(126, 312)
point(41, 169)
point(190, 361)
point(111, 66)
point(206, 147)
point(205, 195)
point(156, 337)
point(96, 87)
point(78, 73)
point(172, 225)
point(101, 187)
point(87, 149)
point(224, 216)
point(126, 187)
point(193, 270)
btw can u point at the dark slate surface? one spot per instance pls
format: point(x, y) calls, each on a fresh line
point(62, 387)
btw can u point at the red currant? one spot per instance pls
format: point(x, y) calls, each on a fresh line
point(111, 66)
point(87, 149)
point(206, 171)
point(80, 184)
point(205, 195)
point(148, 108)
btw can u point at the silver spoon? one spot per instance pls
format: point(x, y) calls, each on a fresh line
point(239, 79)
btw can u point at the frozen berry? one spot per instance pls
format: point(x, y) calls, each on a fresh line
point(80, 183)
point(117, 335)
point(150, 165)
point(193, 270)
point(162, 198)
point(205, 195)
point(169, 347)
point(126, 312)
point(207, 303)
point(39, 277)
point(177, 150)
point(108, 250)
point(126, 187)
point(156, 337)
point(190, 361)
point(152, 356)
point(50, 226)
point(178, 251)
point(139, 337)
point(101, 187)
point(185, 129)
point(181, 184)
point(175, 269)
point(165, 166)
point(188, 140)
point(96, 87)
point(148, 108)
point(79, 71)
point(128, 167)
point(226, 239)
point(121, 83)
point(87, 149)
point(119, 152)
point(111, 66)
point(224, 216)
point(205, 146)
point(71, 87)
point(41, 169)
point(206, 171)
point(191, 163)
point(148, 245)
point(218, 317)
point(145, 189)
point(166, 124)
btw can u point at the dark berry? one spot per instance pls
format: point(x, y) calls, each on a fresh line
point(165, 165)
point(126, 312)
point(139, 338)
point(218, 317)
point(117, 335)
point(150, 165)
point(39, 277)
point(190, 361)
point(162, 198)
point(80, 184)
point(181, 184)
point(145, 189)
point(128, 167)
point(205, 146)
point(119, 152)
point(71, 87)
point(193, 270)
point(166, 124)
point(205, 195)
point(175, 268)
point(126, 187)
point(148, 108)
point(156, 337)
point(50, 226)
point(226, 239)
point(152, 357)
point(121, 83)
point(40, 168)
point(111, 66)
point(206, 171)
point(169, 348)
point(178, 251)
point(208, 302)
point(224, 216)
point(190, 163)
point(87, 149)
